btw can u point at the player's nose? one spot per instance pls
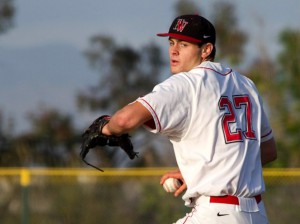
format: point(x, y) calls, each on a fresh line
point(174, 50)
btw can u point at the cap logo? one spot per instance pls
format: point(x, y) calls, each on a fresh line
point(181, 23)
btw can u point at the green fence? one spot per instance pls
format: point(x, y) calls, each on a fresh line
point(127, 196)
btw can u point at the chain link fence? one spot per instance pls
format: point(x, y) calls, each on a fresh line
point(127, 196)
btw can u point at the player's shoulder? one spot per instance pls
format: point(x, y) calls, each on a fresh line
point(181, 77)
point(208, 67)
point(174, 82)
point(220, 69)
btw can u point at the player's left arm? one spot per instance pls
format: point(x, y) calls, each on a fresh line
point(268, 151)
point(127, 119)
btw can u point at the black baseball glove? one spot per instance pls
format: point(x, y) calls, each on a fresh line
point(93, 137)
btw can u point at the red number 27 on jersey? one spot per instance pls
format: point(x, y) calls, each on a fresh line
point(240, 102)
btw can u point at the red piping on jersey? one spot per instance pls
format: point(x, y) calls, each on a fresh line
point(266, 134)
point(216, 71)
point(190, 215)
point(159, 128)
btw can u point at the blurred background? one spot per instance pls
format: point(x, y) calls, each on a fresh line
point(64, 63)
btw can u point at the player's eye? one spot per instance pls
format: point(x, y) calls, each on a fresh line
point(171, 43)
point(183, 44)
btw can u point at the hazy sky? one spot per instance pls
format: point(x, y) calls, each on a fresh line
point(74, 21)
point(41, 59)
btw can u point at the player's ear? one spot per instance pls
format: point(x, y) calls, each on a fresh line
point(206, 50)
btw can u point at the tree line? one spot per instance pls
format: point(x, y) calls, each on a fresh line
point(126, 73)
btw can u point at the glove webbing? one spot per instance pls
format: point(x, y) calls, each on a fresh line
point(91, 165)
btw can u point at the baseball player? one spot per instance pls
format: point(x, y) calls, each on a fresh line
point(214, 118)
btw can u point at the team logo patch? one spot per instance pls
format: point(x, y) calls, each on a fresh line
point(181, 23)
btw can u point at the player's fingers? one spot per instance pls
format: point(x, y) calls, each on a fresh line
point(180, 190)
point(164, 177)
point(174, 174)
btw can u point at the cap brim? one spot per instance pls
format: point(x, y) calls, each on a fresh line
point(179, 36)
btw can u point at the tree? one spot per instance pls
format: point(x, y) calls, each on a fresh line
point(52, 141)
point(186, 7)
point(288, 85)
point(289, 59)
point(6, 15)
point(7, 12)
point(124, 75)
point(6, 130)
point(230, 38)
point(279, 85)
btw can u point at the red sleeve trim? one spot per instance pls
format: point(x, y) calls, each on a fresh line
point(150, 123)
point(270, 132)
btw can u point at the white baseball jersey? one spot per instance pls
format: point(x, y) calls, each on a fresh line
point(215, 120)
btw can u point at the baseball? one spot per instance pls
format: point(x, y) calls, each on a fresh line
point(171, 185)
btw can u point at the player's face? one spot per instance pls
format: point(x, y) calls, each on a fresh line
point(184, 55)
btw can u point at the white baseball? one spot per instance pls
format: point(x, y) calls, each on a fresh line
point(171, 185)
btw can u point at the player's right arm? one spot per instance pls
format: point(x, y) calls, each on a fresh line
point(268, 151)
point(177, 175)
point(127, 119)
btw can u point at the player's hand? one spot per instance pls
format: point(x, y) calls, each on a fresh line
point(175, 174)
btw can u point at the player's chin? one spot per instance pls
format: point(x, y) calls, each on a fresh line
point(175, 69)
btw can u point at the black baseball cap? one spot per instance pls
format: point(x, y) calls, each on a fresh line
point(191, 28)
